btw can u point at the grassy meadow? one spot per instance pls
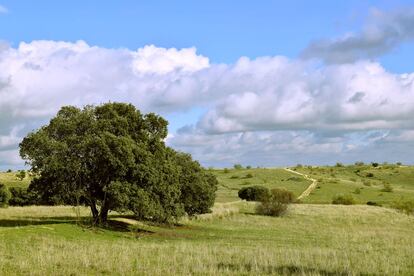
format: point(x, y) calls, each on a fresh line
point(312, 239)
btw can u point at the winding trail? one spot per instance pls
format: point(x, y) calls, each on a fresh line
point(311, 187)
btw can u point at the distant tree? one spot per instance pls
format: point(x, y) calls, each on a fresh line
point(338, 164)
point(238, 166)
point(375, 164)
point(248, 167)
point(4, 196)
point(111, 157)
point(21, 175)
point(9, 171)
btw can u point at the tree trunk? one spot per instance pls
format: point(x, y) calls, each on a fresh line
point(103, 214)
point(94, 210)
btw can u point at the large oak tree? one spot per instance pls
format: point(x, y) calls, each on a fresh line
point(112, 157)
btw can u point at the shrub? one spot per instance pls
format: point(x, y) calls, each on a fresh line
point(253, 193)
point(21, 175)
point(374, 164)
point(226, 170)
point(387, 188)
point(366, 183)
point(399, 163)
point(22, 197)
point(272, 208)
point(339, 164)
point(9, 171)
point(373, 203)
point(249, 175)
point(359, 163)
point(343, 200)
point(369, 175)
point(299, 166)
point(248, 167)
point(282, 195)
point(357, 191)
point(406, 207)
point(4, 196)
point(276, 203)
point(234, 177)
point(238, 166)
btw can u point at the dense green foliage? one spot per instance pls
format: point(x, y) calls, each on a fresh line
point(23, 197)
point(4, 196)
point(253, 193)
point(111, 157)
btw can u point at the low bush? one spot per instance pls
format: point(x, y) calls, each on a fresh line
point(373, 203)
point(234, 177)
point(249, 175)
point(253, 193)
point(357, 191)
point(276, 203)
point(374, 164)
point(4, 196)
point(369, 175)
point(226, 170)
point(366, 183)
point(343, 200)
point(406, 206)
point(387, 188)
point(272, 208)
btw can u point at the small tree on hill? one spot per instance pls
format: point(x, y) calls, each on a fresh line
point(111, 157)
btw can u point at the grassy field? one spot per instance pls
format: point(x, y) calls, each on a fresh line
point(312, 239)
point(365, 183)
point(232, 181)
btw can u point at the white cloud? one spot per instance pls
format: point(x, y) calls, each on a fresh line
point(260, 111)
point(382, 33)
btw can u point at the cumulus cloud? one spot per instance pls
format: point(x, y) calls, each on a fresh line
point(382, 33)
point(294, 95)
point(257, 110)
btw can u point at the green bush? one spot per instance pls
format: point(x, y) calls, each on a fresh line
point(370, 174)
point(272, 208)
point(387, 188)
point(276, 203)
point(343, 200)
point(249, 175)
point(253, 193)
point(234, 177)
point(226, 170)
point(282, 195)
point(4, 196)
point(374, 164)
point(357, 191)
point(22, 197)
point(339, 164)
point(406, 206)
point(373, 203)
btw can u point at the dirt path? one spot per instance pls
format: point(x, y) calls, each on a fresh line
point(311, 187)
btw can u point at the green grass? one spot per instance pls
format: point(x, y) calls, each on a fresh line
point(313, 239)
point(345, 180)
point(310, 240)
point(230, 183)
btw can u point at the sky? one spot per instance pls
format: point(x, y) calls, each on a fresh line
point(268, 83)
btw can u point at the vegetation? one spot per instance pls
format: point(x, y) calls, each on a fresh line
point(21, 175)
point(253, 193)
point(4, 196)
point(275, 204)
point(343, 199)
point(111, 157)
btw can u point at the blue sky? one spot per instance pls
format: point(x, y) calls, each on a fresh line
point(213, 107)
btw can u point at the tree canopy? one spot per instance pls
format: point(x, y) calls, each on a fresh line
point(112, 157)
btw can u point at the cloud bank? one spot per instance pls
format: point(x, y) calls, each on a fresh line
point(264, 111)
